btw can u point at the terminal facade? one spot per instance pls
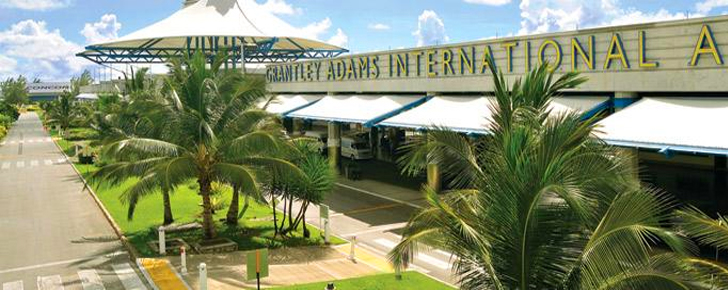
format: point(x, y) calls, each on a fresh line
point(662, 87)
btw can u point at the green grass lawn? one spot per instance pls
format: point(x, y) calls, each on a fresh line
point(255, 228)
point(410, 281)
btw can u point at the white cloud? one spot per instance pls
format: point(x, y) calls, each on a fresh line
point(489, 2)
point(315, 29)
point(7, 66)
point(35, 4)
point(542, 16)
point(708, 5)
point(280, 7)
point(339, 39)
point(378, 26)
point(106, 29)
point(38, 51)
point(430, 29)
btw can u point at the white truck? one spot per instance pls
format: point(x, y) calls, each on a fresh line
point(322, 139)
point(356, 149)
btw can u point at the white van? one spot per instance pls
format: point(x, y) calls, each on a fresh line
point(321, 139)
point(355, 148)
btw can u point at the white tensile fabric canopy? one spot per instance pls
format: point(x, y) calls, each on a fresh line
point(354, 108)
point(216, 18)
point(694, 125)
point(471, 114)
point(282, 104)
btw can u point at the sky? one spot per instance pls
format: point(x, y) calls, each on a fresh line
point(38, 38)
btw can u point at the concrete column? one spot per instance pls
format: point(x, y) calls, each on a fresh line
point(297, 126)
point(622, 99)
point(334, 144)
point(634, 162)
point(434, 176)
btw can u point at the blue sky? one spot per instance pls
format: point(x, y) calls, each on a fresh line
point(39, 37)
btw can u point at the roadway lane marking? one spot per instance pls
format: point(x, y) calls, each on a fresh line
point(50, 283)
point(48, 162)
point(31, 267)
point(377, 229)
point(128, 277)
point(421, 257)
point(20, 164)
point(6, 165)
point(16, 285)
point(374, 208)
point(378, 195)
point(90, 280)
point(33, 163)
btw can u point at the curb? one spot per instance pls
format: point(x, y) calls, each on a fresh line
point(133, 254)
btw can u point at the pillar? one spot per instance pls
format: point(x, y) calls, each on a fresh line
point(623, 99)
point(334, 144)
point(297, 126)
point(434, 176)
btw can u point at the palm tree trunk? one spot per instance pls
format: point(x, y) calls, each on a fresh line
point(232, 214)
point(168, 218)
point(306, 233)
point(208, 224)
point(275, 218)
point(246, 204)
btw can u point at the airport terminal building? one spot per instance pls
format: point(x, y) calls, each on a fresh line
point(662, 88)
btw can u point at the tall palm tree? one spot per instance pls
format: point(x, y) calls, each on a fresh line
point(64, 112)
point(540, 203)
point(212, 133)
point(117, 118)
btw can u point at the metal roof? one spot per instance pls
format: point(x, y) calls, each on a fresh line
point(240, 27)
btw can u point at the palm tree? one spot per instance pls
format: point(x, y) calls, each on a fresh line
point(64, 112)
point(316, 181)
point(117, 118)
point(212, 132)
point(540, 203)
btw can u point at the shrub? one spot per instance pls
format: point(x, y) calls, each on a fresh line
point(6, 121)
point(3, 131)
point(79, 134)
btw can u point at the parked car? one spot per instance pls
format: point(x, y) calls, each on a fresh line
point(355, 148)
point(322, 139)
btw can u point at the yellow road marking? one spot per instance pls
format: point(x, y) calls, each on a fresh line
point(367, 257)
point(375, 208)
point(162, 274)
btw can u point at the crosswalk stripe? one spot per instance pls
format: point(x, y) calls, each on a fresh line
point(90, 280)
point(33, 163)
point(128, 277)
point(2, 143)
point(61, 160)
point(420, 256)
point(50, 283)
point(20, 164)
point(6, 165)
point(30, 141)
point(16, 285)
point(48, 162)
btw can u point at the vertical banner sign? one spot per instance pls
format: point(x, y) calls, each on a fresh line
point(257, 265)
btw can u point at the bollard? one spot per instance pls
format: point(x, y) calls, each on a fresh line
point(352, 254)
point(203, 276)
point(326, 231)
point(183, 259)
point(162, 242)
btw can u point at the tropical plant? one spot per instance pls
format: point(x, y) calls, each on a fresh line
point(15, 91)
point(317, 180)
point(541, 203)
point(211, 132)
point(65, 112)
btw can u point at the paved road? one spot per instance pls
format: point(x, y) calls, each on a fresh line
point(377, 223)
point(52, 234)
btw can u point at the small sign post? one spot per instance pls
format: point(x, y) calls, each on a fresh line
point(324, 215)
point(257, 265)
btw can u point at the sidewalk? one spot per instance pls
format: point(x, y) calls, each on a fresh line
point(289, 266)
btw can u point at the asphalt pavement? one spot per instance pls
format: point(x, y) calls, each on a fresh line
point(52, 233)
point(377, 218)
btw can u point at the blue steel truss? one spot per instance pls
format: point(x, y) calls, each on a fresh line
point(252, 51)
